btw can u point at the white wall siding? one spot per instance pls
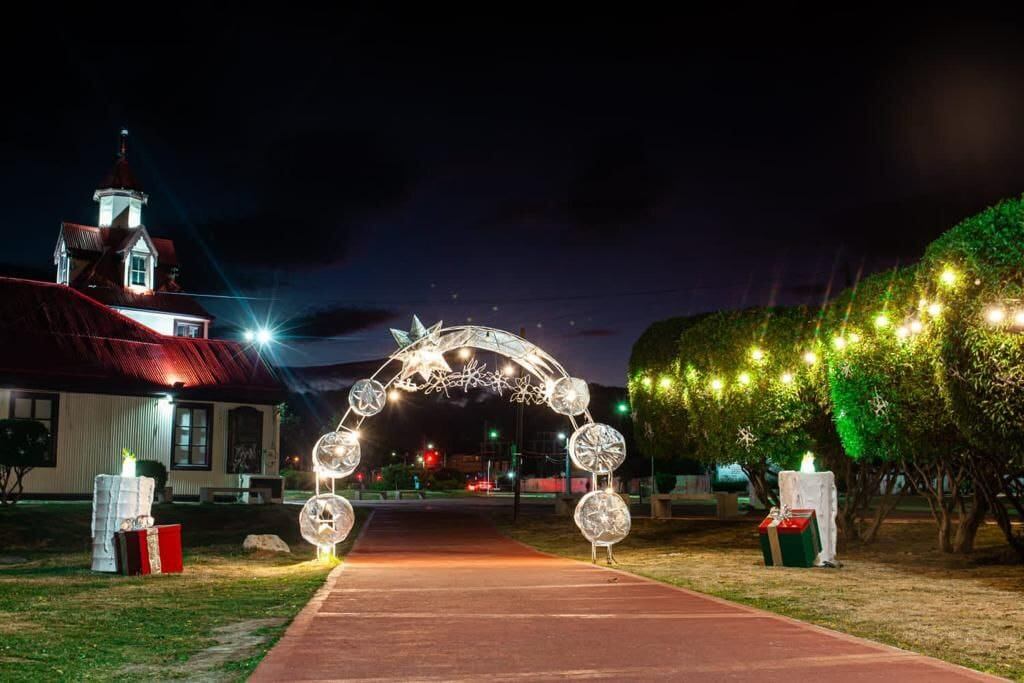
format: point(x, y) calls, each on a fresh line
point(93, 428)
point(158, 322)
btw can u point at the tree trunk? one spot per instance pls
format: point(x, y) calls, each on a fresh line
point(970, 521)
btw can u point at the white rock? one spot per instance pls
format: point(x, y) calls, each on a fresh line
point(271, 542)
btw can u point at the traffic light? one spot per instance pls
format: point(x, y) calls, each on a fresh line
point(493, 434)
point(430, 458)
point(622, 408)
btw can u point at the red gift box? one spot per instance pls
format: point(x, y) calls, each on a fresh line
point(155, 550)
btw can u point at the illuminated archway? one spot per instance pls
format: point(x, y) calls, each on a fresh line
point(602, 515)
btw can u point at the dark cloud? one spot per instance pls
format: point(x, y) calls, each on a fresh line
point(28, 272)
point(617, 188)
point(594, 332)
point(310, 192)
point(336, 321)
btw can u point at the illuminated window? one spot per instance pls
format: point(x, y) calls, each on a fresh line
point(139, 271)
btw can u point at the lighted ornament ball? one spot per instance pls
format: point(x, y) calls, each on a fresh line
point(336, 454)
point(326, 519)
point(569, 396)
point(597, 448)
point(602, 517)
point(367, 397)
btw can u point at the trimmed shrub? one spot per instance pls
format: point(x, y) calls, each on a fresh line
point(155, 469)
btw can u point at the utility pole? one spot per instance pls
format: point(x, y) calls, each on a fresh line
point(516, 459)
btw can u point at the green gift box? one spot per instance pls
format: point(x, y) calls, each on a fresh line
point(790, 538)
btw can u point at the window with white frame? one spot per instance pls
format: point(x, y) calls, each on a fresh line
point(191, 436)
point(138, 271)
point(41, 408)
point(188, 328)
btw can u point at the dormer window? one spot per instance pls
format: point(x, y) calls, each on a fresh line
point(138, 272)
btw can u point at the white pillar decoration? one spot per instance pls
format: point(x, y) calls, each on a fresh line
point(115, 499)
point(814, 491)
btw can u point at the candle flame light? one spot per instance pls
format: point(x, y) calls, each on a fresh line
point(807, 464)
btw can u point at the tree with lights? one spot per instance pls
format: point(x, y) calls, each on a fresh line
point(879, 348)
point(654, 380)
point(976, 271)
point(743, 389)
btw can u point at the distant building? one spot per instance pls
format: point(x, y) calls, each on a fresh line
point(118, 263)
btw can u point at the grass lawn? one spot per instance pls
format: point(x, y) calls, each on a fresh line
point(899, 591)
point(61, 621)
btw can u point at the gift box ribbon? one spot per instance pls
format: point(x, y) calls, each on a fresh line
point(153, 550)
point(778, 515)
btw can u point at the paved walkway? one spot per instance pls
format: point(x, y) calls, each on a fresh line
point(438, 594)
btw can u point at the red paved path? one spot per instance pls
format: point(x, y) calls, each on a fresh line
point(438, 594)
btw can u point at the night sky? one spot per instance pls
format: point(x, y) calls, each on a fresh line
point(577, 176)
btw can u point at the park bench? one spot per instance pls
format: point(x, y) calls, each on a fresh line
point(207, 494)
point(726, 504)
point(418, 494)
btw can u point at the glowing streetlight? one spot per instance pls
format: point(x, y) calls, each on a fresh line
point(394, 395)
point(561, 436)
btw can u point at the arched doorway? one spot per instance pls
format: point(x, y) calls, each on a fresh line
point(422, 363)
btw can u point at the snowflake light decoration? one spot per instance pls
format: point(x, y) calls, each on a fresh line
point(745, 437)
point(845, 369)
point(878, 404)
point(367, 397)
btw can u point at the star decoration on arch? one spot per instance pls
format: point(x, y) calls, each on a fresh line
point(420, 350)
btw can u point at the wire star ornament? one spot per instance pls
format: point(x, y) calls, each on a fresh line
point(420, 350)
point(846, 369)
point(746, 438)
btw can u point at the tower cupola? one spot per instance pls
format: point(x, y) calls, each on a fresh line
point(120, 195)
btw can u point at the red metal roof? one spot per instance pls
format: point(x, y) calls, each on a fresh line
point(54, 337)
point(121, 177)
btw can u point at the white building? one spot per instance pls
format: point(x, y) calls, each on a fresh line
point(114, 356)
point(117, 261)
point(101, 382)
